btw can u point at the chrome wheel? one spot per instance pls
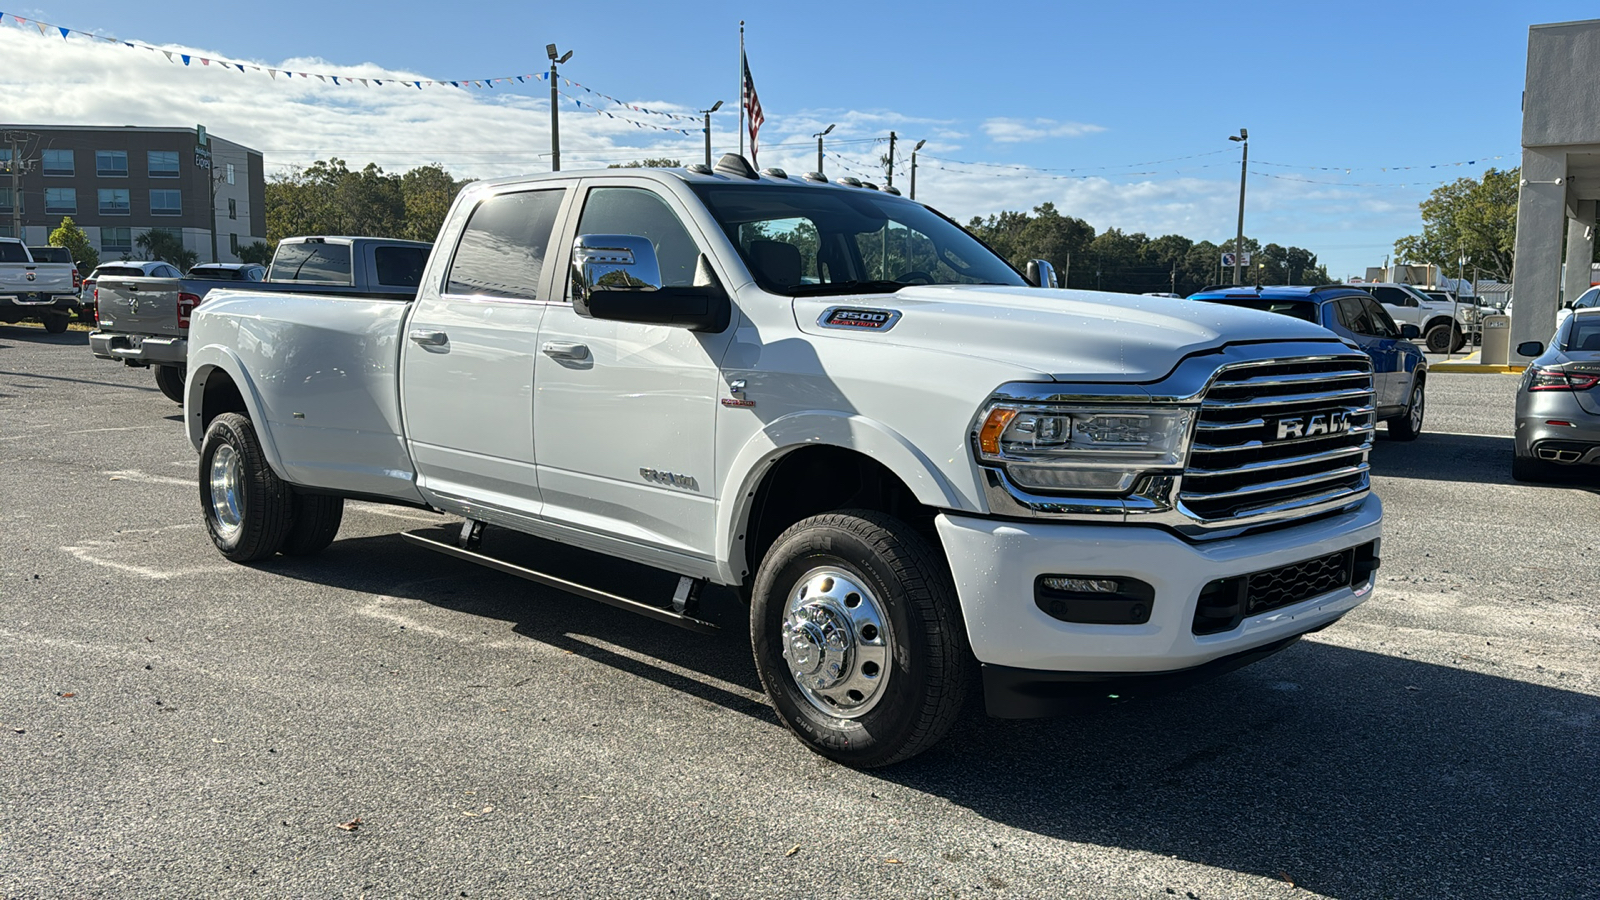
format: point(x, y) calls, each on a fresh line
point(1417, 404)
point(836, 642)
point(225, 477)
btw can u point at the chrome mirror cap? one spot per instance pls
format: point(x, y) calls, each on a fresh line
point(1041, 274)
point(612, 262)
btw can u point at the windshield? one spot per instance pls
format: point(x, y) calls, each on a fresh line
point(800, 240)
point(1299, 309)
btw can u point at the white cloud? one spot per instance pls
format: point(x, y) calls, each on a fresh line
point(1007, 131)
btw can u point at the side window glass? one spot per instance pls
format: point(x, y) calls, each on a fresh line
point(502, 250)
point(1382, 324)
point(1343, 314)
point(635, 211)
point(400, 265)
point(1389, 296)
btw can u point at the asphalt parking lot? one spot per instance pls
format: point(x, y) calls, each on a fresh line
point(173, 725)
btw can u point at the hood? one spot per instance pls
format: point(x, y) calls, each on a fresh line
point(1080, 336)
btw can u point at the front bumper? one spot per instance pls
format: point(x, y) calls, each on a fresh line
point(139, 350)
point(996, 564)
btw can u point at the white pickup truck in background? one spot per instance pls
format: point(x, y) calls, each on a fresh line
point(913, 466)
point(143, 320)
point(30, 289)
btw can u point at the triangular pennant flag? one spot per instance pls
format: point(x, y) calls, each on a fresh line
point(204, 61)
point(185, 58)
point(241, 68)
point(40, 25)
point(64, 32)
point(273, 73)
point(169, 55)
point(519, 79)
point(363, 81)
point(418, 84)
point(377, 82)
point(335, 78)
point(321, 79)
point(20, 21)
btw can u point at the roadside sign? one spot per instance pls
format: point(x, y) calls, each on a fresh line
point(1227, 259)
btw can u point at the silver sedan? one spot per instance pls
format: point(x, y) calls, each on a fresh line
point(1558, 406)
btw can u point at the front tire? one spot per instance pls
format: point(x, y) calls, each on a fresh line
point(1407, 425)
point(1444, 339)
point(858, 638)
point(170, 379)
point(248, 509)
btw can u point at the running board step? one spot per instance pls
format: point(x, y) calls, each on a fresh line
point(443, 544)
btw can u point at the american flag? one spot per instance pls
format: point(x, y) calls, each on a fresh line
point(752, 108)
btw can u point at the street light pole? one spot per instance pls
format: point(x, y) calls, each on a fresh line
point(555, 108)
point(1243, 137)
point(914, 168)
point(714, 107)
point(819, 136)
point(889, 182)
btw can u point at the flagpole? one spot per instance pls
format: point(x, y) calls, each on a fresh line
point(741, 87)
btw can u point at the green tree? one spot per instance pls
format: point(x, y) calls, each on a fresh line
point(1046, 235)
point(427, 192)
point(70, 236)
point(165, 246)
point(327, 198)
point(256, 252)
point(1478, 218)
point(654, 162)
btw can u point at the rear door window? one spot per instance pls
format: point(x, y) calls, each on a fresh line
point(503, 248)
point(317, 263)
point(400, 266)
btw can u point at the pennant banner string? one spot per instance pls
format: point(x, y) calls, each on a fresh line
point(581, 104)
point(1348, 169)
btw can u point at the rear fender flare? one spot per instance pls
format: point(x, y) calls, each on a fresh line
point(203, 366)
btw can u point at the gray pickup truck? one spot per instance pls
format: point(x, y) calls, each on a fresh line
point(144, 321)
point(33, 289)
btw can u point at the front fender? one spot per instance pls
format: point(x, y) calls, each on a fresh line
point(931, 486)
point(206, 363)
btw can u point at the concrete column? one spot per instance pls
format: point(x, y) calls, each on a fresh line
point(1541, 212)
point(1580, 252)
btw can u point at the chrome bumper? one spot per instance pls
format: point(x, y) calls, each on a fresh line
point(139, 350)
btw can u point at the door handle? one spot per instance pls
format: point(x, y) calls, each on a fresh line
point(429, 338)
point(565, 350)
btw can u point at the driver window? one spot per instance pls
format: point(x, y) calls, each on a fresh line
point(636, 211)
point(896, 252)
point(1382, 325)
point(1354, 316)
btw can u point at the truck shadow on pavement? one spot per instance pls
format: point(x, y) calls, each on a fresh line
point(1350, 773)
point(40, 336)
point(1473, 459)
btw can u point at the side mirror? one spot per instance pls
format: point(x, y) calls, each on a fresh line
point(1530, 348)
point(1567, 305)
point(1041, 274)
point(617, 277)
point(1410, 332)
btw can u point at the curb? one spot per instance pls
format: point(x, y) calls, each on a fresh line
point(1473, 368)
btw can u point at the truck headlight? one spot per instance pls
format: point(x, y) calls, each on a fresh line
point(1082, 449)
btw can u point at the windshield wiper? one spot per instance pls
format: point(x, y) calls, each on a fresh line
point(847, 287)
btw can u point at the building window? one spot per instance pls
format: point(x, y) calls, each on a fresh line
point(59, 162)
point(5, 199)
point(61, 200)
point(163, 164)
point(111, 163)
point(233, 244)
point(230, 173)
point(5, 231)
point(233, 208)
point(166, 203)
point(116, 240)
point(114, 201)
point(169, 231)
point(5, 160)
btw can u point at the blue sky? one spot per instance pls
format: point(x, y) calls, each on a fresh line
point(1047, 86)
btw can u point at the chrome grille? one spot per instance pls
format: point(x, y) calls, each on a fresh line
point(1241, 471)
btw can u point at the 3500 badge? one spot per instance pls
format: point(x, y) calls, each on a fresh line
point(859, 319)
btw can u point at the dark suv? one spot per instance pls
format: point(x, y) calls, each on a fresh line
point(1399, 370)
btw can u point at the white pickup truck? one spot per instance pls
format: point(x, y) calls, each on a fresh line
point(30, 289)
point(916, 468)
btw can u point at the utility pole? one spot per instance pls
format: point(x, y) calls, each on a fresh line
point(914, 168)
point(1174, 276)
point(1066, 272)
point(890, 181)
point(1243, 137)
point(16, 140)
point(714, 107)
point(819, 136)
point(555, 108)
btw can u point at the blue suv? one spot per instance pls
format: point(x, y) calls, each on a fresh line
point(1399, 370)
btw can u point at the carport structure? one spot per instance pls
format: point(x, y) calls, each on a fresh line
point(1560, 173)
